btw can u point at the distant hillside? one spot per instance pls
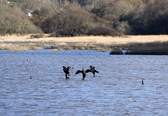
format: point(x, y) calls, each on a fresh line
point(84, 17)
point(14, 21)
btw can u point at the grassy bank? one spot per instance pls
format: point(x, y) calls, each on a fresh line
point(155, 48)
point(149, 48)
point(55, 46)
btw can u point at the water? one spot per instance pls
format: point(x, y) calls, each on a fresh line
point(115, 91)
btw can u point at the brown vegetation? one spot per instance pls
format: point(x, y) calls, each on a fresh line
point(154, 48)
point(101, 43)
point(14, 21)
point(18, 47)
point(84, 17)
point(147, 48)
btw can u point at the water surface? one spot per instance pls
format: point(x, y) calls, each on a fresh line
point(116, 91)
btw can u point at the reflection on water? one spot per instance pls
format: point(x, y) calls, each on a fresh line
point(116, 89)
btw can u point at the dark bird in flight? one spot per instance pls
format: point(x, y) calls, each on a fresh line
point(67, 71)
point(92, 70)
point(83, 73)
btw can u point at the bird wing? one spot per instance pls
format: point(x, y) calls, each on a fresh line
point(69, 68)
point(77, 72)
point(96, 71)
point(88, 70)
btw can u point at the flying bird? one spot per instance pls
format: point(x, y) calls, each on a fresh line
point(92, 70)
point(67, 71)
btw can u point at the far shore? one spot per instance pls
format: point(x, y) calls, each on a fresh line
point(102, 43)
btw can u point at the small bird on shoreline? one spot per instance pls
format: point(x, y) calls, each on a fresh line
point(67, 71)
point(92, 70)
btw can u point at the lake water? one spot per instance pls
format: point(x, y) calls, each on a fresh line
point(116, 90)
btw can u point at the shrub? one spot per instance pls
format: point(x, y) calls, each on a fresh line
point(39, 16)
point(36, 36)
point(103, 30)
point(151, 18)
point(73, 21)
point(14, 21)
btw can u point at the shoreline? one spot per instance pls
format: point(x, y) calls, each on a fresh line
point(102, 43)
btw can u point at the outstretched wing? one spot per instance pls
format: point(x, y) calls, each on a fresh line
point(96, 71)
point(77, 72)
point(88, 70)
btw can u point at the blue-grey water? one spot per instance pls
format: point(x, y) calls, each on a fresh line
point(116, 90)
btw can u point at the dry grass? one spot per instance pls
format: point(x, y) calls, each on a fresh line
point(88, 39)
point(154, 48)
point(13, 47)
point(67, 43)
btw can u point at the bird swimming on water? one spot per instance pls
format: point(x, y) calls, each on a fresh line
point(142, 82)
point(92, 70)
point(67, 71)
point(83, 73)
